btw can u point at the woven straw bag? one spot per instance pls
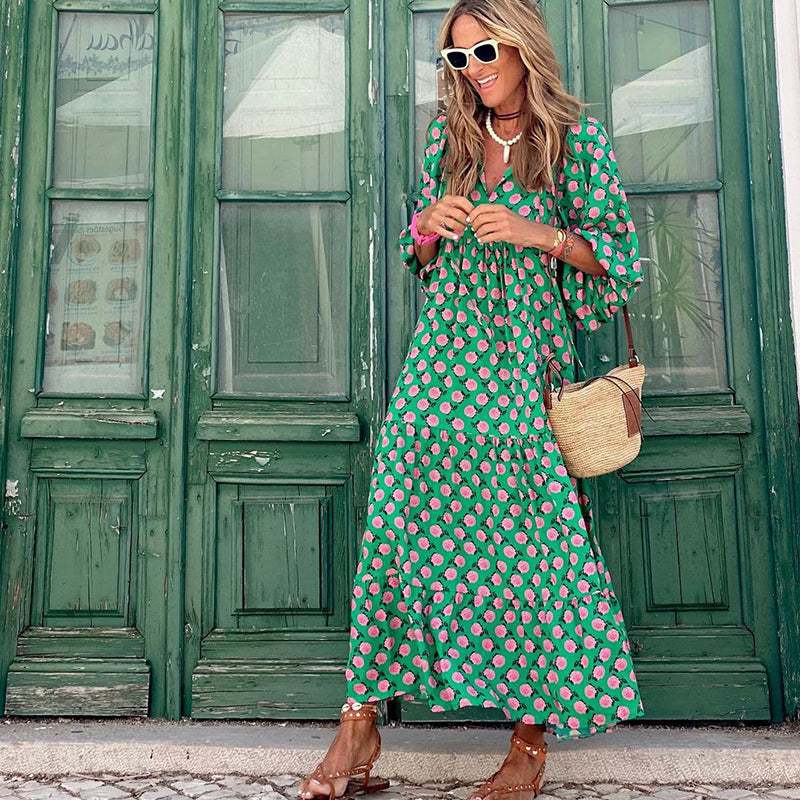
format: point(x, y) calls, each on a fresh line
point(597, 422)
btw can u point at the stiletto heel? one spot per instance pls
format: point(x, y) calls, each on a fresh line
point(537, 751)
point(356, 711)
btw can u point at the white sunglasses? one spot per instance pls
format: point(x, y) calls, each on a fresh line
point(486, 52)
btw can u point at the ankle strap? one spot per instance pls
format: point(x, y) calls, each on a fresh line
point(358, 711)
point(527, 747)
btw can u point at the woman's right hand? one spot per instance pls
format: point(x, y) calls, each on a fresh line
point(447, 217)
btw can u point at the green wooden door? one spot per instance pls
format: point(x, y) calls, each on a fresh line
point(286, 350)
point(679, 526)
point(687, 524)
point(89, 514)
point(204, 338)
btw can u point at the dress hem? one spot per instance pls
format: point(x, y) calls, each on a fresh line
point(440, 706)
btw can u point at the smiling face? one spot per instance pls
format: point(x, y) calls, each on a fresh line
point(499, 84)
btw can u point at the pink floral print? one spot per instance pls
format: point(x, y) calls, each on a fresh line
point(480, 580)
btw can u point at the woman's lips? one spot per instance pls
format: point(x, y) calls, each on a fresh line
point(488, 85)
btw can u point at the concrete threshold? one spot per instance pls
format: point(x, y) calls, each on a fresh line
point(454, 754)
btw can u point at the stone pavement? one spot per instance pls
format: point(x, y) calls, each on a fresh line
point(283, 787)
point(668, 755)
point(70, 759)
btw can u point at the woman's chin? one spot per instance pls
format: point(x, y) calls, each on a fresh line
point(492, 99)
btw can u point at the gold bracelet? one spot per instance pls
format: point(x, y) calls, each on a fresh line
point(559, 237)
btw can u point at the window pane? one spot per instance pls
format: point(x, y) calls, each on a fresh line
point(284, 105)
point(104, 77)
point(662, 90)
point(283, 299)
point(96, 298)
point(677, 311)
point(428, 89)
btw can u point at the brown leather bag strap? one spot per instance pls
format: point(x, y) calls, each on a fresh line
point(633, 359)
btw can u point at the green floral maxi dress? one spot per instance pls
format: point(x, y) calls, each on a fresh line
point(480, 581)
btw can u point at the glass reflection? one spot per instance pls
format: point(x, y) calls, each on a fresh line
point(428, 87)
point(96, 298)
point(283, 299)
point(104, 78)
point(429, 96)
point(662, 90)
point(284, 103)
point(681, 336)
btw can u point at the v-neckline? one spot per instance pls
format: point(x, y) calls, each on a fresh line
point(490, 192)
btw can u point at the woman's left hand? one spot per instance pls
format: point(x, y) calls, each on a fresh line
point(497, 223)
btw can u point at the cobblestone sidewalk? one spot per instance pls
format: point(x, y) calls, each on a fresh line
point(283, 787)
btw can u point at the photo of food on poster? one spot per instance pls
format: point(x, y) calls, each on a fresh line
point(96, 298)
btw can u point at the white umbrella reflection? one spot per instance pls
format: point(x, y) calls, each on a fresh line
point(675, 94)
point(286, 86)
point(123, 102)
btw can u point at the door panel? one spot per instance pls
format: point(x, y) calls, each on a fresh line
point(86, 542)
point(285, 381)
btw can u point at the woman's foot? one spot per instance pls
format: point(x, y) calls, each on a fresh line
point(518, 769)
point(355, 744)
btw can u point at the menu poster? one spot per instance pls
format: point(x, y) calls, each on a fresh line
point(95, 303)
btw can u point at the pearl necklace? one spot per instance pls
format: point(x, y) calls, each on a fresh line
point(505, 142)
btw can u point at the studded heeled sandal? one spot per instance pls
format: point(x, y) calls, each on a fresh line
point(537, 751)
point(354, 711)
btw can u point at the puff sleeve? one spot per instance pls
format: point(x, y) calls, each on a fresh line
point(593, 204)
point(429, 178)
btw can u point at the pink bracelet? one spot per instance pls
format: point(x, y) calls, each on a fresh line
point(417, 236)
point(558, 250)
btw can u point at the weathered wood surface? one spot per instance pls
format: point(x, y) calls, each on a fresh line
point(290, 689)
point(267, 426)
point(79, 687)
point(89, 424)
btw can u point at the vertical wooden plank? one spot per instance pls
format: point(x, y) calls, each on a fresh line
point(206, 498)
point(661, 560)
point(13, 52)
point(702, 549)
point(177, 68)
point(400, 285)
point(16, 559)
point(229, 516)
point(368, 118)
point(68, 570)
point(281, 555)
point(780, 421)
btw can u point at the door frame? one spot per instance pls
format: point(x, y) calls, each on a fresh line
point(12, 94)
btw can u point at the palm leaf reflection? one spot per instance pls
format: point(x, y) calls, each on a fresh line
point(680, 301)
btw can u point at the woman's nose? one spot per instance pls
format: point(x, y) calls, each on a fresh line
point(472, 68)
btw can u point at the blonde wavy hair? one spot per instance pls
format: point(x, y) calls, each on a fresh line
point(547, 111)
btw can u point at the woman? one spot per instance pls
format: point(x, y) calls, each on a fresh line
point(480, 581)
